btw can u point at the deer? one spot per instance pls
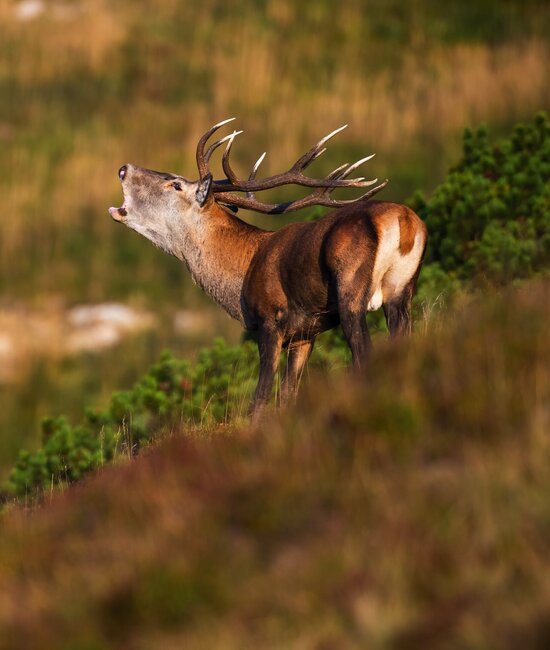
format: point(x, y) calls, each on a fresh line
point(291, 284)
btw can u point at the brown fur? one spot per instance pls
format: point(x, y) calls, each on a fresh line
point(292, 284)
point(408, 227)
point(308, 277)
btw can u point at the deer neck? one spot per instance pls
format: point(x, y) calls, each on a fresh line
point(217, 248)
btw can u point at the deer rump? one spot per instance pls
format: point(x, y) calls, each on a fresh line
point(309, 276)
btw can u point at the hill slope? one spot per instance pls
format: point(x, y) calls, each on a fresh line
point(408, 509)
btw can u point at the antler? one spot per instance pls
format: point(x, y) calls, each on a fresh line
point(202, 158)
point(226, 189)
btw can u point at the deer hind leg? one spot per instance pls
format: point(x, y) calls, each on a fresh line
point(397, 309)
point(298, 355)
point(269, 345)
point(352, 306)
point(398, 312)
point(356, 333)
point(355, 328)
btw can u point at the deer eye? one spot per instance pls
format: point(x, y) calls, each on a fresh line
point(177, 186)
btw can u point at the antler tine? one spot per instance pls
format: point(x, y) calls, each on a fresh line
point(331, 135)
point(256, 165)
point(254, 171)
point(337, 173)
point(315, 151)
point(320, 192)
point(345, 170)
point(202, 164)
point(225, 158)
point(319, 153)
point(363, 182)
point(219, 142)
point(353, 167)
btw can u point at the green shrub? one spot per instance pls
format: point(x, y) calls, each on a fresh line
point(489, 220)
point(217, 387)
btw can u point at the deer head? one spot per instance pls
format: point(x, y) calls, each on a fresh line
point(156, 203)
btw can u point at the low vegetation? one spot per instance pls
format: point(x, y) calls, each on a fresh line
point(402, 510)
point(215, 388)
point(489, 221)
point(85, 87)
point(405, 508)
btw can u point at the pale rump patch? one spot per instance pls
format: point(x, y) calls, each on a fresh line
point(392, 270)
point(402, 270)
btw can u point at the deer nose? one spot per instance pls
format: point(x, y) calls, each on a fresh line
point(122, 172)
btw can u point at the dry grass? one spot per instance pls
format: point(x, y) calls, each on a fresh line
point(407, 510)
point(87, 90)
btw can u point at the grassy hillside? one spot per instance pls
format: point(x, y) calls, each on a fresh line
point(489, 226)
point(86, 86)
point(405, 509)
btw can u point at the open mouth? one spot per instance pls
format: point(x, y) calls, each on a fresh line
point(118, 214)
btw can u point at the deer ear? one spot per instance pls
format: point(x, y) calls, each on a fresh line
point(203, 192)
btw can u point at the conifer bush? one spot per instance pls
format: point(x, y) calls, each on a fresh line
point(215, 388)
point(489, 221)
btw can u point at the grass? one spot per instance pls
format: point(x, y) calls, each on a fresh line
point(408, 508)
point(45, 381)
point(82, 92)
point(87, 86)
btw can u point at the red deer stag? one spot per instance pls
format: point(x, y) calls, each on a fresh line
point(291, 284)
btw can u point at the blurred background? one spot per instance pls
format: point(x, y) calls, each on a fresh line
point(86, 86)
